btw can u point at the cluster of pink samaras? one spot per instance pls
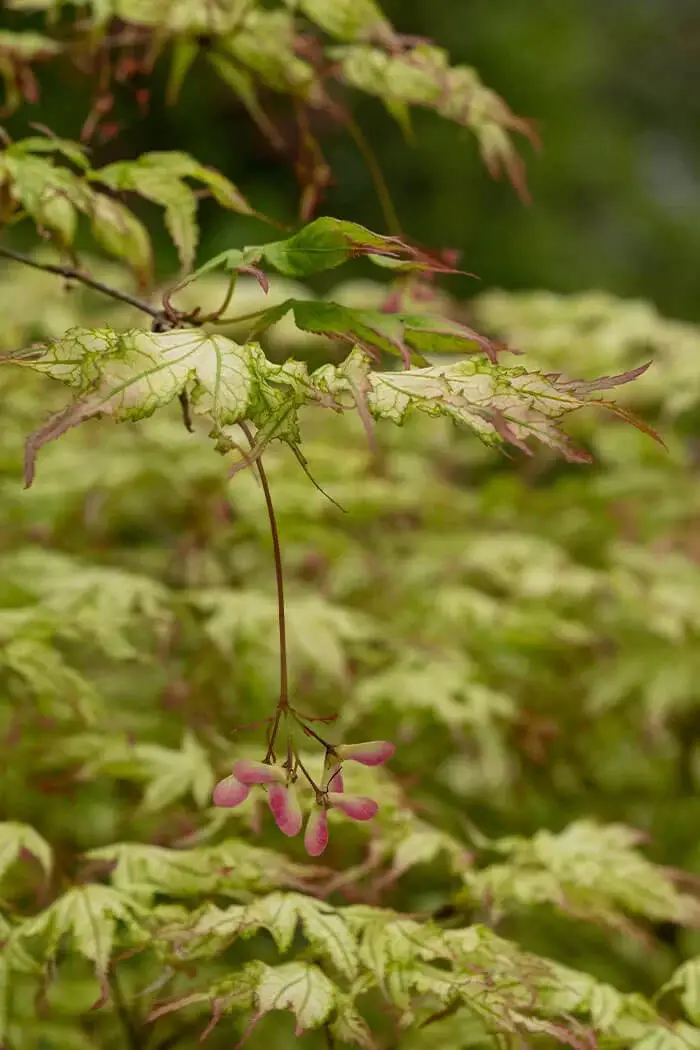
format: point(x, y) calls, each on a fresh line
point(279, 782)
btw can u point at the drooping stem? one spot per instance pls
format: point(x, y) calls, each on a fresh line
point(230, 289)
point(283, 702)
point(310, 732)
point(240, 319)
point(71, 274)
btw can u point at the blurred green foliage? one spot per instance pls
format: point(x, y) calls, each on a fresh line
point(526, 631)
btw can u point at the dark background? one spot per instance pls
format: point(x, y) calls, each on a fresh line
point(611, 84)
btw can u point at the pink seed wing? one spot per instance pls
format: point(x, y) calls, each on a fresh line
point(357, 807)
point(230, 792)
point(249, 772)
point(284, 804)
point(370, 753)
point(316, 834)
point(333, 775)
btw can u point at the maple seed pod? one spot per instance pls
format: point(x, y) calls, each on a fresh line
point(369, 753)
point(249, 772)
point(334, 781)
point(285, 808)
point(316, 834)
point(357, 807)
point(230, 792)
point(332, 774)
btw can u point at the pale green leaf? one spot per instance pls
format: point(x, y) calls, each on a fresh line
point(686, 980)
point(349, 1026)
point(423, 76)
point(423, 845)
point(121, 234)
point(16, 837)
point(232, 869)
point(160, 178)
point(590, 870)
point(162, 187)
point(278, 913)
point(88, 915)
point(169, 775)
point(50, 195)
point(173, 774)
point(265, 44)
point(59, 690)
point(72, 151)
point(346, 19)
point(242, 83)
point(300, 987)
point(328, 934)
point(27, 45)
point(128, 375)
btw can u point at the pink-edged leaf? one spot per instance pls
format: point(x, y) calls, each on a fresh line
point(230, 792)
point(249, 772)
point(357, 807)
point(586, 386)
point(285, 808)
point(316, 834)
point(177, 1004)
point(259, 275)
point(370, 753)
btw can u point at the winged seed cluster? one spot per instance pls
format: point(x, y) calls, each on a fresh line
point(279, 782)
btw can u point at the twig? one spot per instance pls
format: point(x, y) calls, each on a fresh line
point(71, 274)
point(376, 174)
point(283, 703)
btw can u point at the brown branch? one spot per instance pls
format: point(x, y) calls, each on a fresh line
point(71, 274)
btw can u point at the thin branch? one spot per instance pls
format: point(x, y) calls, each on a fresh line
point(241, 318)
point(227, 298)
point(376, 174)
point(310, 732)
point(71, 274)
point(283, 703)
point(308, 776)
point(305, 467)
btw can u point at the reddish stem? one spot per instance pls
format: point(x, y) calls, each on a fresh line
point(283, 702)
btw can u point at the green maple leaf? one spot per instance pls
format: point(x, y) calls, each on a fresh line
point(424, 77)
point(169, 775)
point(346, 19)
point(300, 987)
point(322, 245)
point(160, 177)
point(15, 838)
point(128, 375)
point(87, 915)
point(264, 44)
